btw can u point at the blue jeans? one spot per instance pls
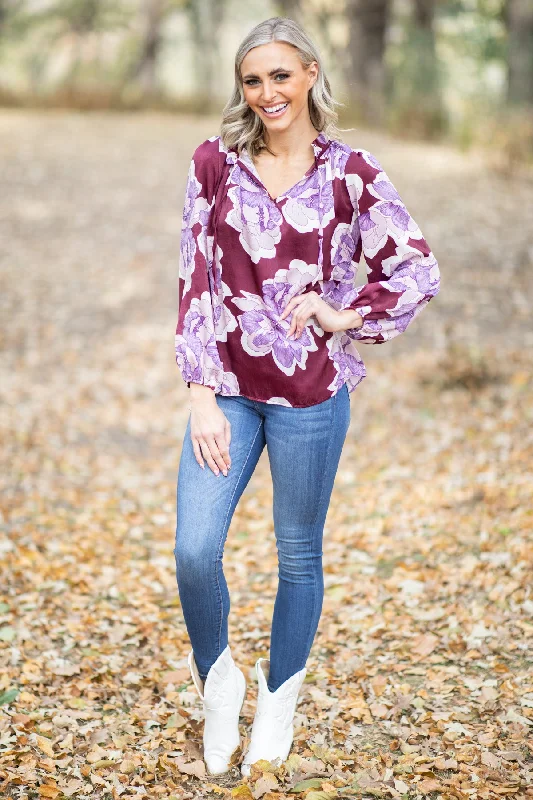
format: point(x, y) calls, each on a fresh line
point(304, 447)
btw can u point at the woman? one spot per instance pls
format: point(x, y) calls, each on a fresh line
point(278, 211)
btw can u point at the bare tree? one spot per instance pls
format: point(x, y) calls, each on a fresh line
point(368, 21)
point(153, 14)
point(424, 11)
point(519, 20)
point(206, 18)
point(75, 23)
point(425, 76)
point(8, 10)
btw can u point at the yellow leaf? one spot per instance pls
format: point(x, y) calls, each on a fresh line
point(49, 791)
point(242, 792)
point(45, 745)
point(429, 785)
point(25, 697)
point(95, 755)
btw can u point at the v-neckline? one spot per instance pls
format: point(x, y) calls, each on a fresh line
point(250, 163)
point(286, 192)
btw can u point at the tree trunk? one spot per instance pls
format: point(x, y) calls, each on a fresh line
point(206, 20)
point(145, 69)
point(424, 13)
point(424, 42)
point(367, 22)
point(414, 89)
point(519, 20)
point(427, 86)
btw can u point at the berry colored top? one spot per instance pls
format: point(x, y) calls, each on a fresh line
point(245, 254)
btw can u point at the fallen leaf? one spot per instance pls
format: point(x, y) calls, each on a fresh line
point(45, 745)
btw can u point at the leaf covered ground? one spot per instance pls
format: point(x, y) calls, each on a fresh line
point(420, 680)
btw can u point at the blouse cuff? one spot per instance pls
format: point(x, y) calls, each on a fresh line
point(363, 311)
point(214, 380)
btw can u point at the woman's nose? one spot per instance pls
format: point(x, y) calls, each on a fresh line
point(269, 93)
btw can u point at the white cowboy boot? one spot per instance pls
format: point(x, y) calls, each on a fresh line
point(222, 695)
point(272, 728)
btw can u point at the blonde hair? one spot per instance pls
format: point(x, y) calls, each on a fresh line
point(241, 126)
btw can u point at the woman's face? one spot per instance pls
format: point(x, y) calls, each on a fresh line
point(273, 75)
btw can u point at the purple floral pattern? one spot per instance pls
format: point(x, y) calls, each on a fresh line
point(262, 330)
point(196, 210)
point(240, 266)
point(255, 216)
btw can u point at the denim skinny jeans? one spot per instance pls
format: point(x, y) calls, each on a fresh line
point(304, 447)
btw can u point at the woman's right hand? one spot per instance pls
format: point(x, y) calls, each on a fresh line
point(210, 429)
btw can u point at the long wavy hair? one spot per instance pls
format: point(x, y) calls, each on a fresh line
point(241, 126)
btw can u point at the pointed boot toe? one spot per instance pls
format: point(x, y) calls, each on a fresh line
point(216, 765)
point(273, 725)
point(223, 696)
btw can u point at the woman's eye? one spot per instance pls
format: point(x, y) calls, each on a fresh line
point(279, 75)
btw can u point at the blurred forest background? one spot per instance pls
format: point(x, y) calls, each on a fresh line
point(420, 676)
point(461, 69)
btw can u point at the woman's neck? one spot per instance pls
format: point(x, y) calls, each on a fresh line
point(288, 144)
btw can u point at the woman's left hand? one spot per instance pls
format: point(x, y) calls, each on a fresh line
point(311, 304)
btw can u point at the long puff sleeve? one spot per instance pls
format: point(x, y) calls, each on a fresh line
point(403, 274)
point(196, 350)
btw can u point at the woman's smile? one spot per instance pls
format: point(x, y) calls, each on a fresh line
point(275, 111)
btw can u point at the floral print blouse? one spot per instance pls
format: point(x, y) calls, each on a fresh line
point(245, 254)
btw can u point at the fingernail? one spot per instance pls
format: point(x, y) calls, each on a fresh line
point(225, 473)
point(217, 472)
